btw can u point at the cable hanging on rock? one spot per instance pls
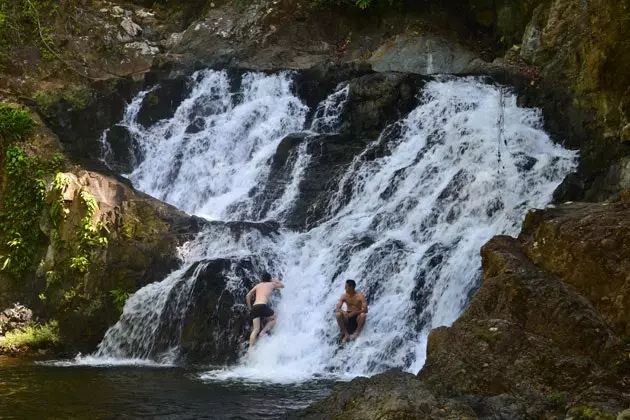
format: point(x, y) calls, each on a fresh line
point(501, 127)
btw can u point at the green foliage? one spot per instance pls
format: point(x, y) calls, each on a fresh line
point(89, 235)
point(32, 337)
point(15, 122)
point(557, 399)
point(79, 263)
point(21, 23)
point(73, 256)
point(23, 201)
point(52, 278)
point(58, 211)
point(119, 297)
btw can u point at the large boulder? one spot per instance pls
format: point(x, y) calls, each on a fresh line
point(549, 323)
point(162, 101)
point(391, 395)
point(528, 335)
point(587, 247)
point(216, 322)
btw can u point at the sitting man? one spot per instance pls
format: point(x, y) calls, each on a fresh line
point(351, 321)
point(261, 309)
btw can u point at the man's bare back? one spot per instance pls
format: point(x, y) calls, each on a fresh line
point(263, 291)
point(261, 310)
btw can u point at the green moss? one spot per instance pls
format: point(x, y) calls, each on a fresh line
point(32, 337)
point(152, 99)
point(485, 334)
point(557, 399)
point(78, 97)
point(585, 412)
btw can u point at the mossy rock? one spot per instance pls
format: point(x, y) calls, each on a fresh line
point(76, 97)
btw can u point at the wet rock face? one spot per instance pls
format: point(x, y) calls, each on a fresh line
point(163, 100)
point(580, 48)
point(217, 321)
point(375, 100)
point(124, 153)
point(106, 102)
point(587, 246)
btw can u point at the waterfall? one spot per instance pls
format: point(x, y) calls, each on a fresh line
point(407, 226)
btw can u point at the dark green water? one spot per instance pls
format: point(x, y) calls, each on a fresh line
point(33, 391)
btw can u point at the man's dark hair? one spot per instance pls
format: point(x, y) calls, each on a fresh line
point(352, 284)
point(265, 277)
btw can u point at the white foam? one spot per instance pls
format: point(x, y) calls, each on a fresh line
point(103, 362)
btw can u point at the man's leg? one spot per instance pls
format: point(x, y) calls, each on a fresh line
point(255, 330)
point(341, 320)
point(271, 321)
point(360, 323)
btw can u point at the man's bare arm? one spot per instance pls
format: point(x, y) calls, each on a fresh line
point(277, 284)
point(364, 306)
point(340, 303)
point(248, 297)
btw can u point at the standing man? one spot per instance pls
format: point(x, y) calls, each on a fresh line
point(351, 321)
point(261, 309)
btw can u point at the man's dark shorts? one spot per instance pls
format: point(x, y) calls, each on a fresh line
point(260, 311)
point(352, 324)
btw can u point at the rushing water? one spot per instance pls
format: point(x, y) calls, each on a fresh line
point(35, 391)
point(465, 165)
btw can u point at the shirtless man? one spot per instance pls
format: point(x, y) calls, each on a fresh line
point(353, 319)
point(260, 309)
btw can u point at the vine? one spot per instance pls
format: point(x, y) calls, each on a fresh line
point(58, 210)
point(15, 122)
point(89, 236)
point(23, 201)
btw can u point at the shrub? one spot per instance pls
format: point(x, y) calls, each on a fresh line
point(32, 337)
point(15, 122)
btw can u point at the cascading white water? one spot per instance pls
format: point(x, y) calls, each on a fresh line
point(409, 232)
point(326, 118)
point(210, 168)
